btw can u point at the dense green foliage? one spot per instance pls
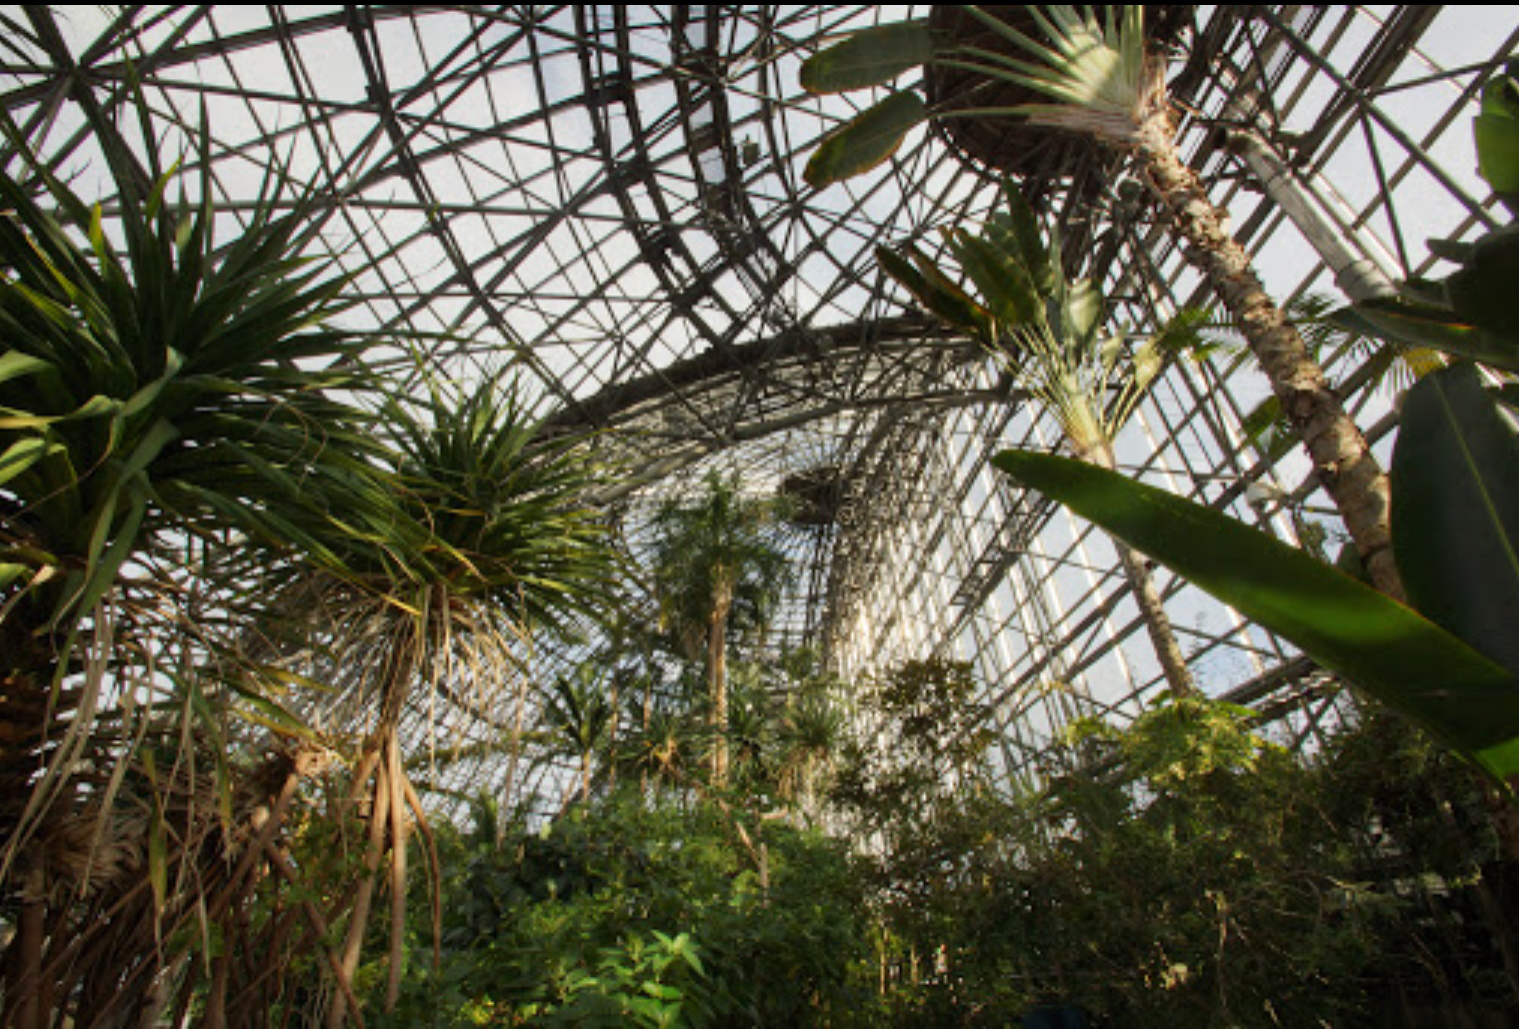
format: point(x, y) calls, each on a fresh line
point(1184, 871)
point(622, 913)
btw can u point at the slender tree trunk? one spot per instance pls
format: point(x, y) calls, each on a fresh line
point(358, 918)
point(1341, 458)
point(26, 1001)
point(717, 676)
point(1152, 609)
point(398, 834)
point(1162, 636)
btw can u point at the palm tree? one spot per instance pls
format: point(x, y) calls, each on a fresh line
point(1102, 80)
point(717, 570)
point(1048, 330)
point(579, 721)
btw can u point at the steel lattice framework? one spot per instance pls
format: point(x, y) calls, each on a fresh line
point(608, 200)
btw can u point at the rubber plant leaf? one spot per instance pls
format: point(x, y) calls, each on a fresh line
point(865, 141)
point(868, 58)
point(1496, 130)
point(1425, 325)
point(1465, 699)
point(1455, 510)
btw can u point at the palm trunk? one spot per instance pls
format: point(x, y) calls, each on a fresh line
point(398, 826)
point(717, 680)
point(1341, 458)
point(1152, 609)
point(717, 675)
point(1167, 651)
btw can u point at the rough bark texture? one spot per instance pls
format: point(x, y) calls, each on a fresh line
point(717, 671)
point(1152, 609)
point(1345, 466)
point(1172, 662)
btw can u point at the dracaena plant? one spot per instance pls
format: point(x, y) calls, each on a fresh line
point(165, 391)
point(431, 601)
point(1095, 74)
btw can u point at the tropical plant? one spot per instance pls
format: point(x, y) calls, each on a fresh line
point(1049, 331)
point(717, 569)
point(1449, 662)
point(166, 399)
point(626, 912)
point(1099, 78)
point(1471, 313)
point(579, 720)
point(487, 543)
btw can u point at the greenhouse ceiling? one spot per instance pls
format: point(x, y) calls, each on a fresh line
point(607, 203)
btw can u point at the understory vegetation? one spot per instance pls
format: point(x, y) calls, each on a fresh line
point(1183, 871)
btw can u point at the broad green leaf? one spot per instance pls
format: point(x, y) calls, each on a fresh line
point(1390, 651)
point(866, 141)
point(1455, 511)
point(1022, 225)
point(1482, 291)
point(1004, 282)
point(1424, 325)
point(870, 57)
point(1496, 130)
point(935, 292)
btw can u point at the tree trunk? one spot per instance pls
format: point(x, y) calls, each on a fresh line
point(1152, 609)
point(1341, 458)
point(1167, 651)
point(717, 681)
point(358, 920)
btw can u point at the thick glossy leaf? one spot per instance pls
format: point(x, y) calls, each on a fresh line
point(1497, 133)
point(1423, 325)
point(1482, 292)
point(866, 141)
point(1455, 511)
point(1391, 651)
point(870, 57)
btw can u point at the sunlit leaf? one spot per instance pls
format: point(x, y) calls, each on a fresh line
point(866, 141)
point(870, 57)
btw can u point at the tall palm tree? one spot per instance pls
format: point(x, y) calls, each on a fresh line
point(579, 720)
point(716, 569)
point(1049, 331)
point(1101, 79)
